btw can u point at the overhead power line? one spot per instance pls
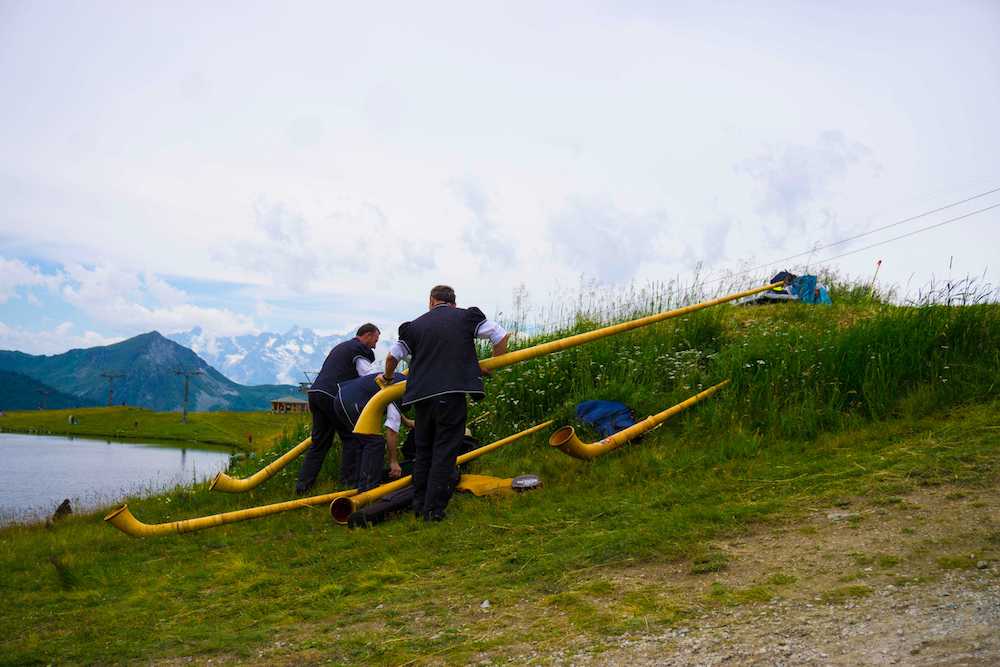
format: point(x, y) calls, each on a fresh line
point(870, 232)
point(915, 231)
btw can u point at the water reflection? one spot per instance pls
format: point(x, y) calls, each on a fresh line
point(38, 472)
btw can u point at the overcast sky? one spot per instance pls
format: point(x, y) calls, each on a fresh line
point(247, 167)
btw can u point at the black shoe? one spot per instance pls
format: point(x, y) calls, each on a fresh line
point(302, 490)
point(435, 515)
point(359, 520)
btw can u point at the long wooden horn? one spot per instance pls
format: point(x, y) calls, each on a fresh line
point(371, 417)
point(568, 442)
point(342, 508)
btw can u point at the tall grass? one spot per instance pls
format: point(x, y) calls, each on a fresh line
point(796, 369)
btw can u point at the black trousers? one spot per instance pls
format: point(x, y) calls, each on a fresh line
point(438, 434)
point(370, 457)
point(326, 423)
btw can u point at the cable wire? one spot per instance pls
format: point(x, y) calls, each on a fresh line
point(868, 233)
point(903, 236)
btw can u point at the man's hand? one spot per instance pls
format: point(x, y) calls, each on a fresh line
point(498, 349)
point(383, 381)
point(395, 472)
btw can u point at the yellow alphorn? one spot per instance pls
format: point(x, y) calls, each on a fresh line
point(123, 520)
point(371, 417)
point(227, 484)
point(567, 441)
point(342, 508)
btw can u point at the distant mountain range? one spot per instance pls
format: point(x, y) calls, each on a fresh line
point(267, 357)
point(147, 365)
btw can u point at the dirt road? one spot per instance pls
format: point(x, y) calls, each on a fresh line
point(909, 581)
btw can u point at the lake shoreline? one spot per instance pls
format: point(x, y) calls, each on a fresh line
point(248, 432)
point(118, 436)
point(41, 470)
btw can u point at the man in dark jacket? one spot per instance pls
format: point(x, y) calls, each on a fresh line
point(348, 360)
point(352, 398)
point(444, 368)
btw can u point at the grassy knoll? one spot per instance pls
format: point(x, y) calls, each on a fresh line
point(224, 428)
point(826, 404)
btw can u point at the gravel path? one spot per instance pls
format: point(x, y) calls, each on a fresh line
point(915, 582)
point(953, 622)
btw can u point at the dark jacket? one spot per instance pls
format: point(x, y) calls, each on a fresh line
point(339, 365)
point(353, 395)
point(442, 348)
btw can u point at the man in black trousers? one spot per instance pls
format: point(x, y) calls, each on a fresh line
point(352, 398)
point(348, 360)
point(443, 369)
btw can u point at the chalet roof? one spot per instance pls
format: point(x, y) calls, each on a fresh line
point(289, 399)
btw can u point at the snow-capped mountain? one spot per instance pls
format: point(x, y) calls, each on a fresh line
point(266, 358)
point(146, 370)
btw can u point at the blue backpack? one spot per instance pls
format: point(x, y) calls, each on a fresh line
point(806, 288)
point(607, 417)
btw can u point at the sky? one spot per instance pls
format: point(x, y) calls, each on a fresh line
point(248, 167)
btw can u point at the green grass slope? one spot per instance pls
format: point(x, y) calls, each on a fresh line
point(825, 403)
point(250, 431)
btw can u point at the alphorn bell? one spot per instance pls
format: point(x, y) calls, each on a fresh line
point(568, 442)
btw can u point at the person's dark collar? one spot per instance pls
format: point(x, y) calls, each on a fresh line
point(438, 305)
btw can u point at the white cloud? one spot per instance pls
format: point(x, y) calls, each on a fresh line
point(330, 191)
point(797, 181)
point(290, 252)
point(262, 308)
point(605, 241)
point(54, 341)
point(15, 274)
point(99, 286)
point(117, 298)
point(483, 236)
point(164, 293)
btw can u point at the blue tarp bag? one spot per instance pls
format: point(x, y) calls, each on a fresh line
point(607, 417)
point(804, 287)
point(807, 290)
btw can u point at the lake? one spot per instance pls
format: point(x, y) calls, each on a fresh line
point(38, 471)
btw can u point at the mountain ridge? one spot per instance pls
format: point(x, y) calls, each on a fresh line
point(266, 357)
point(148, 366)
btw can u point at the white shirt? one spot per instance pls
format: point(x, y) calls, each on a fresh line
point(392, 418)
point(364, 367)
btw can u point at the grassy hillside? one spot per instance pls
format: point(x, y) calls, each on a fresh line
point(250, 431)
point(20, 392)
point(796, 370)
point(826, 405)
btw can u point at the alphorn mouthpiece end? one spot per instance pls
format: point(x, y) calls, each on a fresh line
point(341, 509)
